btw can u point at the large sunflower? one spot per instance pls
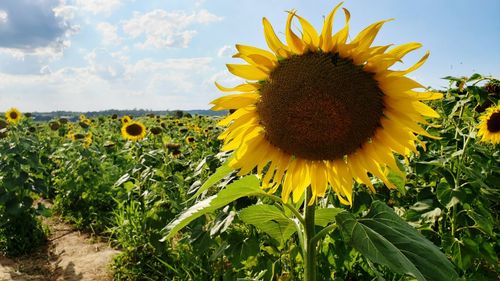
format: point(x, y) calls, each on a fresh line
point(322, 111)
point(133, 130)
point(489, 126)
point(13, 115)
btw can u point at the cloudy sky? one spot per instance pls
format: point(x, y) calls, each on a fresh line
point(166, 54)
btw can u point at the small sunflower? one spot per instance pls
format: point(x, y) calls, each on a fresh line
point(489, 126)
point(156, 130)
point(13, 115)
point(322, 111)
point(125, 119)
point(190, 139)
point(133, 130)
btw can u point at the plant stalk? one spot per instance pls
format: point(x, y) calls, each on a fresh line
point(310, 243)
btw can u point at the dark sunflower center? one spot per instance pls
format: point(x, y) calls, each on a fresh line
point(493, 122)
point(319, 106)
point(134, 130)
point(13, 115)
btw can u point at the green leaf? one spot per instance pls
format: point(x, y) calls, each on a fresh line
point(219, 174)
point(246, 186)
point(398, 180)
point(451, 78)
point(483, 221)
point(475, 76)
point(325, 216)
point(122, 179)
point(384, 238)
point(269, 219)
point(446, 196)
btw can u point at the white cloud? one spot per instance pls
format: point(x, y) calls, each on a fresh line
point(225, 51)
point(163, 29)
point(109, 34)
point(98, 6)
point(3, 16)
point(106, 65)
point(147, 83)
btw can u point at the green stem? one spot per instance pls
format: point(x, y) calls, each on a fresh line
point(310, 243)
point(323, 232)
point(288, 205)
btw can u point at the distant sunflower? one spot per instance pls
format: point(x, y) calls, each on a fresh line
point(489, 126)
point(190, 139)
point(125, 119)
point(13, 115)
point(133, 130)
point(322, 111)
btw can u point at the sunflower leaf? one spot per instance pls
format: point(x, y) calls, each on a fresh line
point(326, 216)
point(246, 186)
point(384, 238)
point(269, 219)
point(219, 174)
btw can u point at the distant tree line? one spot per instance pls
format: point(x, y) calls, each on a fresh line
point(74, 115)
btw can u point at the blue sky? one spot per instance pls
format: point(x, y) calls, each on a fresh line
point(157, 54)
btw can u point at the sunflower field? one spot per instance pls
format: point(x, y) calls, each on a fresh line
point(127, 179)
point(325, 165)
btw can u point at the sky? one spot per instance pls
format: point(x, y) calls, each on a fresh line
point(86, 55)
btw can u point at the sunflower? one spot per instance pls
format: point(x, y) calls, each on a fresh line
point(322, 111)
point(190, 139)
point(13, 115)
point(125, 119)
point(133, 130)
point(489, 126)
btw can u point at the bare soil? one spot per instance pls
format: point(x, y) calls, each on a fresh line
point(69, 255)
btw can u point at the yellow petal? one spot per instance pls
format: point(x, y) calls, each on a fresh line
point(358, 171)
point(259, 61)
point(425, 109)
point(326, 43)
point(237, 114)
point(247, 87)
point(247, 71)
point(295, 44)
point(374, 168)
point(345, 179)
point(402, 50)
point(413, 95)
point(288, 181)
point(250, 50)
point(235, 101)
point(412, 68)
point(398, 84)
point(309, 34)
point(365, 38)
point(410, 124)
point(273, 41)
point(301, 180)
point(341, 36)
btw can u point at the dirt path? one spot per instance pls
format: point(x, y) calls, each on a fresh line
point(69, 255)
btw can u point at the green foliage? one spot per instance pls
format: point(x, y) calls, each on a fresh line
point(384, 238)
point(21, 178)
point(178, 212)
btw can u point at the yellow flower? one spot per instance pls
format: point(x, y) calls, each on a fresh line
point(13, 115)
point(133, 130)
point(489, 126)
point(322, 111)
point(125, 119)
point(87, 141)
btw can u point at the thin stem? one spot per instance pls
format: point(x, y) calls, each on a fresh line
point(310, 249)
point(323, 232)
point(288, 205)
